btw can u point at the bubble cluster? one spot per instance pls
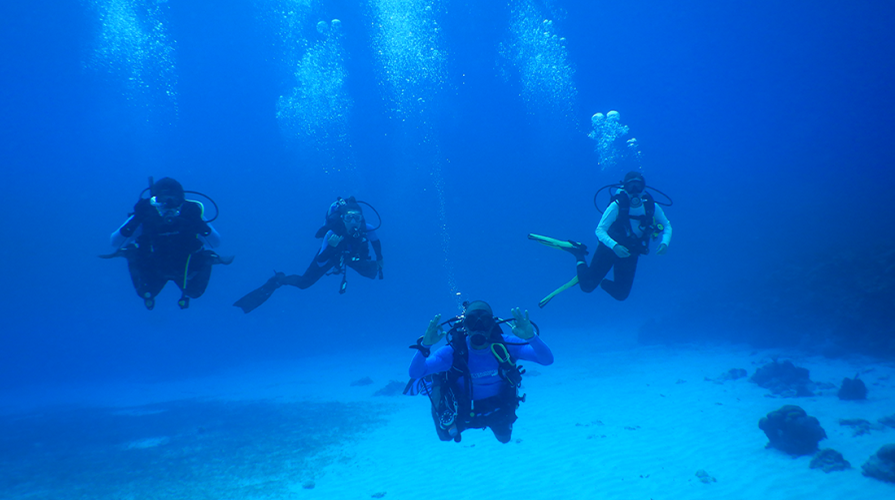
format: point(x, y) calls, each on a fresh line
point(289, 20)
point(317, 109)
point(435, 171)
point(408, 44)
point(540, 59)
point(133, 46)
point(611, 148)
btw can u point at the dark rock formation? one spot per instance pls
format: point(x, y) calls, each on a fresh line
point(852, 389)
point(882, 465)
point(860, 426)
point(393, 388)
point(734, 374)
point(829, 460)
point(792, 431)
point(705, 477)
point(888, 421)
point(361, 382)
point(784, 379)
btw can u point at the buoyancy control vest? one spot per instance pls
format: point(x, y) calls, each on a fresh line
point(174, 236)
point(455, 385)
point(621, 230)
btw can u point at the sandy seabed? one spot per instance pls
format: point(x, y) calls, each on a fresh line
point(620, 423)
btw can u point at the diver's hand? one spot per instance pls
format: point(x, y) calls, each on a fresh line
point(522, 325)
point(662, 249)
point(334, 240)
point(621, 251)
point(434, 332)
point(143, 209)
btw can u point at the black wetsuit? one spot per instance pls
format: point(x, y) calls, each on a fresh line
point(631, 227)
point(589, 277)
point(352, 251)
point(169, 249)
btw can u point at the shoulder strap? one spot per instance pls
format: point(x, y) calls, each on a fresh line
point(461, 352)
point(191, 210)
point(624, 203)
point(649, 205)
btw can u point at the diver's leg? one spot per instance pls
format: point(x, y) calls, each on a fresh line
point(148, 280)
point(622, 278)
point(198, 275)
point(590, 277)
point(366, 268)
point(503, 432)
point(500, 421)
point(314, 272)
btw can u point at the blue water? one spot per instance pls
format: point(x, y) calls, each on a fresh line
point(465, 124)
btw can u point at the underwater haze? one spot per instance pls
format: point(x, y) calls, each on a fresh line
point(467, 125)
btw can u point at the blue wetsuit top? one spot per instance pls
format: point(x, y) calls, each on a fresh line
point(482, 364)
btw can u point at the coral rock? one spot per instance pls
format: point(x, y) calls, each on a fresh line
point(882, 465)
point(829, 460)
point(791, 430)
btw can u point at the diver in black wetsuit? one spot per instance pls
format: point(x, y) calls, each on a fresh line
point(624, 231)
point(348, 241)
point(630, 221)
point(165, 239)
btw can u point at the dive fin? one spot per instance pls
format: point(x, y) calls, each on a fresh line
point(567, 245)
point(572, 282)
point(255, 298)
point(121, 252)
point(217, 259)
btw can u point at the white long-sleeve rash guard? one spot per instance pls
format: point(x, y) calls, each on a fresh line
point(611, 214)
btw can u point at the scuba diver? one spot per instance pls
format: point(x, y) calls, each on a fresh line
point(165, 239)
point(473, 382)
point(632, 218)
point(347, 242)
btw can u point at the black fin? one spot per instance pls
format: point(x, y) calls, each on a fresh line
point(255, 298)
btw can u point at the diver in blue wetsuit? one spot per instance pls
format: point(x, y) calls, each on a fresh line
point(348, 242)
point(473, 382)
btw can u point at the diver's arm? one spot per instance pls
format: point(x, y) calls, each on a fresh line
point(439, 361)
point(327, 251)
point(118, 239)
point(606, 221)
point(212, 239)
point(666, 224)
point(536, 350)
point(373, 238)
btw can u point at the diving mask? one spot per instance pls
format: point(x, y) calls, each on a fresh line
point(634, 187)
point(478, 321)
point(166, 206)
point(353, 218)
